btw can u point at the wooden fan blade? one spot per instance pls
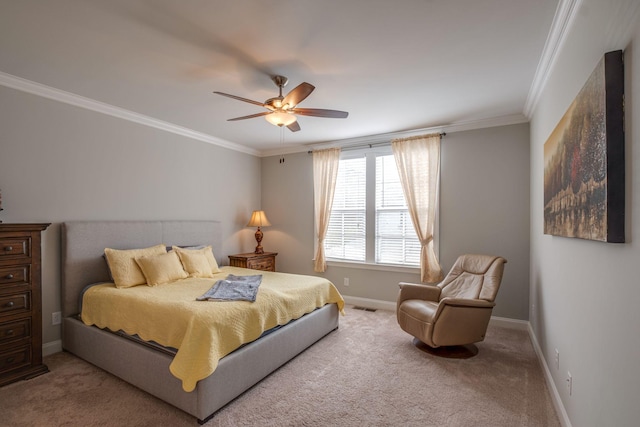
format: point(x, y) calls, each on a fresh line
point(264, 113)
point(298, 94)
point(294, 127)
point(240, 98)
point(319, 112)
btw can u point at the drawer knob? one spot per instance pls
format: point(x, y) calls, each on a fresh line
point(8, 248)
point(10, 359)
point(9, 304)
point(9, 333)
point(9, 276)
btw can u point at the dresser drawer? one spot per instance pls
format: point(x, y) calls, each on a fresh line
point(15, 358)
point(265, 261)
point(15, 275)
point(13, 331)
point(15, 247)
point(15, 304)
point(266, 264)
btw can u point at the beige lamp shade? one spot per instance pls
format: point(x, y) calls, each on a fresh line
point(259, 219)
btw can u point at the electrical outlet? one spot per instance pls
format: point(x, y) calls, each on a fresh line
point(557, 359)
point(56, 318)
point(346, 281)
point(569, 383)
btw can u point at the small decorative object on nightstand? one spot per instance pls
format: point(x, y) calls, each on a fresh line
point(265, 261)
point(20, 302)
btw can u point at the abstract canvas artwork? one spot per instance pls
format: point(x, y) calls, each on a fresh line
point(584, 160)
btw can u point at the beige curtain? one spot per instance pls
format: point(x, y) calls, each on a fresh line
point(418, 161)
point(325, 175)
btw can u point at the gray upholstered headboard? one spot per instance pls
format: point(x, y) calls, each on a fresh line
point(83, 244)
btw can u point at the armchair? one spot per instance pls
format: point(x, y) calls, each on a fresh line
point(457, 310)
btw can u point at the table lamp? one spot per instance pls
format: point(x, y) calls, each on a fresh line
point(259, 219)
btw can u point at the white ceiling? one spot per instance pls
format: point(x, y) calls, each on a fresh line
point(395, 66)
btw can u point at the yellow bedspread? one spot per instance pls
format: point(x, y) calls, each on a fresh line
point(204, 331)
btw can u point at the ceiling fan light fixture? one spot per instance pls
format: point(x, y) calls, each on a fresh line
point(280, 118)
point(283, 110)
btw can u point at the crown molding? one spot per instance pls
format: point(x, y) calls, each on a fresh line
point(49, 92)
point(512, 119)
point(565, 14)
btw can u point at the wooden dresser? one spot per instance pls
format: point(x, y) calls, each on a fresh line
point(265, 261)
point(20, 302)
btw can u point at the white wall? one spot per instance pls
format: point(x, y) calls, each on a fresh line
point(484, 209)
point(60, 163)
point(585, 294)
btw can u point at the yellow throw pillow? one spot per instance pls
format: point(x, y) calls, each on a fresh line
point(124, 269)
point(198, 262)
point(159, 269)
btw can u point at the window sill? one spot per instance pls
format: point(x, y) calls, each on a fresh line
point(376, 267)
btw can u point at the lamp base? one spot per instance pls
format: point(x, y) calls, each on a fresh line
point(259, 248)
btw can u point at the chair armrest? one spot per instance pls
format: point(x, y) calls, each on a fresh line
point(459, 321)
point(418, 291)
point(464, 302)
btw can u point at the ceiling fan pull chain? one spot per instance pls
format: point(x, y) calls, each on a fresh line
point(282, 143)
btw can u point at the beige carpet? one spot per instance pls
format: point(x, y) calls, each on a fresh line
point(365, 374)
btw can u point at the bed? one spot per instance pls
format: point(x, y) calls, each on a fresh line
point(145, 365)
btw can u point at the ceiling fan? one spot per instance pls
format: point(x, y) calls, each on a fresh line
point(282, 110)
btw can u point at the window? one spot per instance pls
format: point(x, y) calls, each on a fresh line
point(370, 222)
point(396, 239)
point(346, 236)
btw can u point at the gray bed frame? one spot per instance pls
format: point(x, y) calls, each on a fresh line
point(83, 244)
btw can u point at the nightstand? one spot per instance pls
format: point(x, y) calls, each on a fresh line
point(265, 261)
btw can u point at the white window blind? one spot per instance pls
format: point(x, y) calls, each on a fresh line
point(396, 240)
point(346, 236)
point(391, 237)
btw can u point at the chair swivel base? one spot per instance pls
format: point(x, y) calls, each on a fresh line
point(450, 352)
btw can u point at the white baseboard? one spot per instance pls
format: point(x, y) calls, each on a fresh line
point(52, 347)
point(370, 303)
point(555, 396)
point(504, 322)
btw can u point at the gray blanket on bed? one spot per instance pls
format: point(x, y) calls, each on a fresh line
point(234, 288)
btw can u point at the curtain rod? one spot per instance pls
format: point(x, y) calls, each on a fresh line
point(374, 144)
